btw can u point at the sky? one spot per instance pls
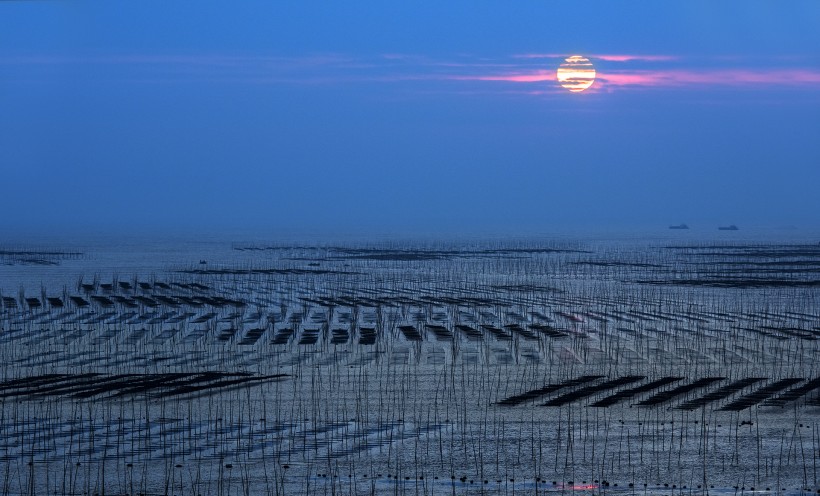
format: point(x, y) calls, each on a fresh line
point(407, 116)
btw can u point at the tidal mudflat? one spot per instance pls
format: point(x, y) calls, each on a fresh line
point(480, 367)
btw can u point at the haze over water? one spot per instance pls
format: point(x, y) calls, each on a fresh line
point(406, 118)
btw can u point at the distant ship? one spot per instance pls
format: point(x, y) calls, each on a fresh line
point(728, 228)
point(679, 226)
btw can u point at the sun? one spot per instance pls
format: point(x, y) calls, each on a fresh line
point(576, 73)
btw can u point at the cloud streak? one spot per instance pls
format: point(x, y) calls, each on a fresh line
point(673, 78)
point(615, 72)
point(712, 77)
point(603, 56)
point(631, 58)
point(627, 71)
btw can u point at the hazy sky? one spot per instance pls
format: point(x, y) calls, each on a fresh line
point(403, 116)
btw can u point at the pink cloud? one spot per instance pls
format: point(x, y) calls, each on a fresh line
point(338, 68)
point(533, 77)
point(668, 78)
point(607, 57)
point(628, 58)
point(720, 77)
point(541, 56)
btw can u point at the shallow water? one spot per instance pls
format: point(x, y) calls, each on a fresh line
point(373, 367)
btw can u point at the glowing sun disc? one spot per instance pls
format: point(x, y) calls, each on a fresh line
point(576, 73)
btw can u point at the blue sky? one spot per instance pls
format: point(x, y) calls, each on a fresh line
point(407, 116)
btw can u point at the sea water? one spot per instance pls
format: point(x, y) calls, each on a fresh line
point(367, 365)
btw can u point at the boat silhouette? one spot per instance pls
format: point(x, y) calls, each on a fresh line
point(728, 228)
